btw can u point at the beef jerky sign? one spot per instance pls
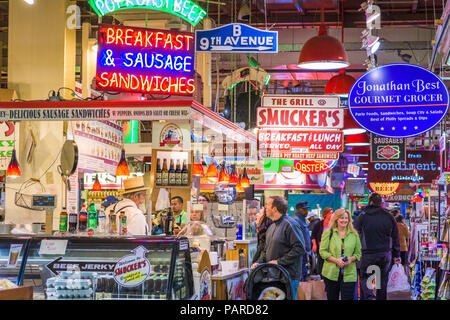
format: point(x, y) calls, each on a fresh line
point(387, 149)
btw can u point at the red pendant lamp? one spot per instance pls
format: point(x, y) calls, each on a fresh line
point(122, 168)
point(245, 181)
point(234, 178)
point(211, 172)
point(357, 140)
point(239, 187)
point(323, 52)
point(13, 170)
point(224, 177)
point(340, 84)
point(350, 125)
point(97, 186)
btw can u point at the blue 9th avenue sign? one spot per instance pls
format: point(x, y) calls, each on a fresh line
point(398, 100)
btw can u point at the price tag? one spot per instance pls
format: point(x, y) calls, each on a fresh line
point(56, 247)
point(14, 252)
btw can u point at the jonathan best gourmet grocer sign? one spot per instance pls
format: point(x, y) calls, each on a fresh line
point(398, 100)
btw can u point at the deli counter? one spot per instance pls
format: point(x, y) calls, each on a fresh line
point(99, 268)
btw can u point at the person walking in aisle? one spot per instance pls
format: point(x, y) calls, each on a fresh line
point(379, 239)
point(262, 224)
point(284, 241)
point(404, 235)
point(300, 217)
point(316, 236)
point(340, 249)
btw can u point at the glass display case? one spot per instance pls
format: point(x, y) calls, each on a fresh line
point(99, 268)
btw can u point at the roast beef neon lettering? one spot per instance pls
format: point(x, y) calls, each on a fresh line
point(145, 60)
point(185, 9)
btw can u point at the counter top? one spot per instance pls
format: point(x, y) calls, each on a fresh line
point(221, 276)
point(247, 241)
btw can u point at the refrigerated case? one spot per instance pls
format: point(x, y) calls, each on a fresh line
point(67, 268)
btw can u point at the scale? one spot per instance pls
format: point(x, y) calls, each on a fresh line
point(45, 202)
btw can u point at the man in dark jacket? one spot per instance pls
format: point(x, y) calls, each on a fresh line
point(284, 241)
point(300, 216)
point(379, 239)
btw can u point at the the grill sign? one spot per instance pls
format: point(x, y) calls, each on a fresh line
point(286, 141)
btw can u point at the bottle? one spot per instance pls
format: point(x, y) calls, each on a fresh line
point(112, 222)
point(242, 259)
point(158, 181)
point(168, 228)
point(92, 217)
point(171, 174)
point(82, 219)
point(164, 174)
point(178, 180)
point(184, 175)
point(123, 223)
point(73, 219)
point(101, 227)
point(63, 220)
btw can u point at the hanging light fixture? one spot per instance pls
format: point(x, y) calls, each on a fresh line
point(234, 178)
point(97, 186)
point(13, 170)
point(197, 167)
point(224, 178)
point(357, 140)
point(323, 52)
point(239, 187)
point(211, 172)
point(245, 181)
point(350, 125)
point(122, 168)
point(244, 12)
point(340, 84)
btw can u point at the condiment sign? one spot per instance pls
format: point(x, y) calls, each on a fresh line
point(398, 100)
point(384, 149)
point(143, 60)
point(288, 143)
point(420, 166)
point(185, 9)
point(236, 37)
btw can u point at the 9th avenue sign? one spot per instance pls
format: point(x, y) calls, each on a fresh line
point(236, 37)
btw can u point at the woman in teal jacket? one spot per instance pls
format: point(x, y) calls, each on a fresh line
point(340, 248)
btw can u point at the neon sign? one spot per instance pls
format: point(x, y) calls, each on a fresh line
point(145, 60)
point(314, 166)
point(185, 9)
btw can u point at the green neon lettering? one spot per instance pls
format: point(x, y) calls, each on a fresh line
point(185, 9)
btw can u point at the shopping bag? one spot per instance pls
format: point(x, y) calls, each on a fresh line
point(311, 290)
point(398, 280)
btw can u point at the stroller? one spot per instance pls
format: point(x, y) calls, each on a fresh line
point(268, 282)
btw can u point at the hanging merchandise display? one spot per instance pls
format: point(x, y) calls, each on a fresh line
point(398, 100)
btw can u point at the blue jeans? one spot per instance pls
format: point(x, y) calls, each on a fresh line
point(295, 284)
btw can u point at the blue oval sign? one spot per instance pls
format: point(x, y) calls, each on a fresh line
point(398, 100)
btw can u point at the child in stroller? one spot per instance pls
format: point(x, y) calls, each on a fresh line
point(269, 281)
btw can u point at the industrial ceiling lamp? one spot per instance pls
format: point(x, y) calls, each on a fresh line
point(211, 172)
point(122, 169)
point(97, 186)
point(323, 52)
point(340, 84)
point(245, 181)
point(357, 140)
point(234, 178)
point(224, 177)
point(197, 167)
point(239, 187)
point(244, 11)
point(350, 125)
point(13, 170)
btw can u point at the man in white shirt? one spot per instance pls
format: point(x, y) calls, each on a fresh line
point(132, 204)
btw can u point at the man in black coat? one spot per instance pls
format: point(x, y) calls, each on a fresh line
point(380, 243)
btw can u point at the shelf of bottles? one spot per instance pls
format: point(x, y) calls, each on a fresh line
point(172, 170)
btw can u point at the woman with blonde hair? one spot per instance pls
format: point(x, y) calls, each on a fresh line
point(340, 248)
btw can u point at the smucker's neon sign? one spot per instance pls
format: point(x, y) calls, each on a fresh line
point(145, 60)
point(185, 9)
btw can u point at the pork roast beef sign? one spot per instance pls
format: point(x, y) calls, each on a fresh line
point(398, 100)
